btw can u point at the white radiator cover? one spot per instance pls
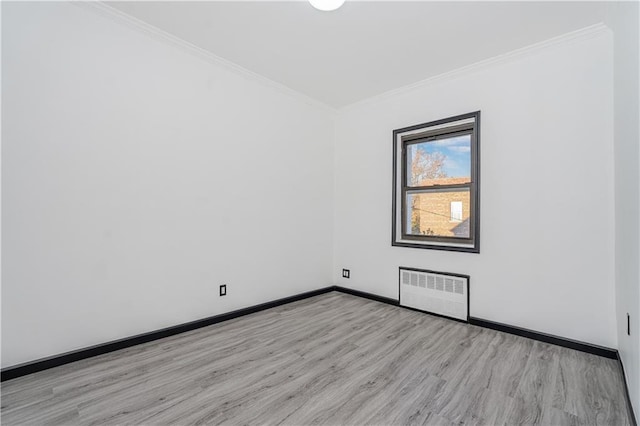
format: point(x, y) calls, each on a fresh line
point(435, 292)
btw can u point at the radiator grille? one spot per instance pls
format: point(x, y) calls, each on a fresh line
point(435, 292)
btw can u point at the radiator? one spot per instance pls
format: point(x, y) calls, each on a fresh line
point(440, 293)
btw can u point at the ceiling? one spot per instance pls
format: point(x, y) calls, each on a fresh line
point(364, 48)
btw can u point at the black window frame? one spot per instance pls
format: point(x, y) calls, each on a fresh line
point(459, 125)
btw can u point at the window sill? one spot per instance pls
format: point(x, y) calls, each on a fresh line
point(464, 248)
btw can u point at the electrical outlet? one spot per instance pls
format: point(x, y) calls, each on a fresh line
point(346, 273)
point(628, 324)
point(223, 290)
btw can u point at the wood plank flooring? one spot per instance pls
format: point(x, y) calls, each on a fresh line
point(331, 359)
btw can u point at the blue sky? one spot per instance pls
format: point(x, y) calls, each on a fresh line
point(457, 151)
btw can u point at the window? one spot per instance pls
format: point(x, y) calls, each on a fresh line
point(435, 184)
point(456, 211)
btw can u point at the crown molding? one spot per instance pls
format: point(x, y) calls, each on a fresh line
point(582, 34)
point(160, 35)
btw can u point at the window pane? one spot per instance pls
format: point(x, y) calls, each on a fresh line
point(439, 162)
point(438, 213)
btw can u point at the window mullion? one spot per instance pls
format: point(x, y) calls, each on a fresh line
point(441, 188)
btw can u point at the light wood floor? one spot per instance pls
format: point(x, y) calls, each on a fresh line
point(331, 359)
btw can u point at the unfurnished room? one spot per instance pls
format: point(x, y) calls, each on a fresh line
point(320, 212)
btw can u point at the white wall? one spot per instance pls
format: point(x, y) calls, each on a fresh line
point(137, 177)
point(547, 196)
point(623, 19)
